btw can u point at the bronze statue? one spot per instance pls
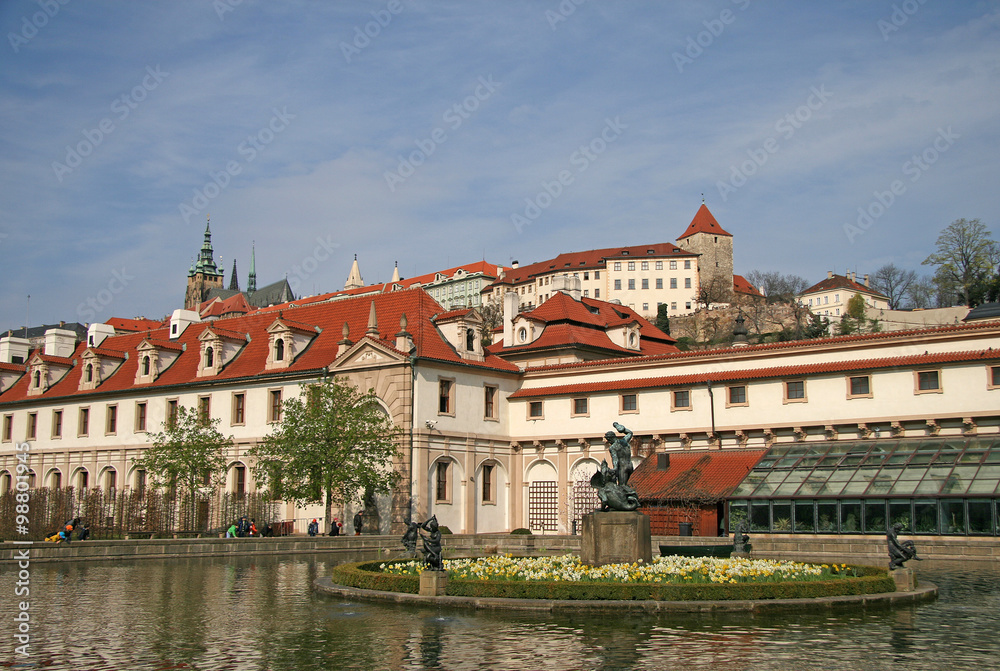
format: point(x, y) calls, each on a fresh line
point(740, 536)
point(410, 538)
point(432, 545)
point(899, 553)
point(612, 483)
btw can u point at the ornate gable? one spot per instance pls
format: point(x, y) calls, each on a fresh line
point(286, 340)
point(155, 356)
point(97, 365)
point(44, 371)
point(218, 348)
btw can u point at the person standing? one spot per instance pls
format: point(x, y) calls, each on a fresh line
point(359, 522)
point(313, 528)
point(335, 527)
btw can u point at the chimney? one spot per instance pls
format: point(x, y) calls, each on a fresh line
point(514, 264)
point(179, 321)
point(866, 280)
point(829, 274)
point(662, 461)
point(60, 342)
point(14, 349)
point(511, 303)
point(96, 333)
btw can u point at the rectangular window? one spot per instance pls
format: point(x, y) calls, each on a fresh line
point(659, 282)
point(681, 400)
point(994, 377)
point(140, 417)
point(580, 407)
point(687, 305)
point(645, 283)
point(490, 402)
point(659, 265)
point(83, 427)
point(673, 265)
point(111, 420)
point(239, 480)
point(57, 423)
point(205, 408)
point(629, 403)
point(644, 265)
point(586, 275)
point(645, 307)
point(687, 265)
point(488, 496)
point(597, 293)
point(586, 293)
point(859, 386)
point(274, 407)
point(239, 409)
point(171, 415)
point(673, 282)
point(446, 404)
point(928, 381)
point(631, 265)
point(535, 410)
point(618, 265)
point(32, 425)
point(8, 428)
point(631, 285)
point(597, 274)
point(795, 390)
point(687, 282)
point(441, 495)
point(618, 285)
point(673, 305)
point(737, 395)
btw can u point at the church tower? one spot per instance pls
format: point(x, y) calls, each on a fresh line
point(203, 275)
point(354, 279)
point(704, 236)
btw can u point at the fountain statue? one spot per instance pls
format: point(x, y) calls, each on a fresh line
point(612, 483)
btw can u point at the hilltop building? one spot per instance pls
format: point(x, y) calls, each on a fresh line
point(830, 296)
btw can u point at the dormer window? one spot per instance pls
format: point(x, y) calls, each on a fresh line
point(279, 349)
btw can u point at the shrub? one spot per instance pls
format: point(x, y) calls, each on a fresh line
point(444, 530)
point(521, 532)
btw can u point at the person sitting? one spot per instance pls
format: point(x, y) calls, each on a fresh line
point(84, 533)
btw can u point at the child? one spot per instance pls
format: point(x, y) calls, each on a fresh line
point(231, 531)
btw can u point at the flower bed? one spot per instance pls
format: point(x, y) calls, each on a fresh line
point(666, 578)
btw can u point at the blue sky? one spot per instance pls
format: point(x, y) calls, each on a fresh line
point(440, 133)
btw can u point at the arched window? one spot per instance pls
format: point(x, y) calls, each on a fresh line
point(209, 357)
point(90, 372)
point(279, 349)
point(38, 379)
point(145, 365)
point(470, 339)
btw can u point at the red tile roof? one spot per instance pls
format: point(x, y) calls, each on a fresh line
point(104, 351)
point(799, 370)
point(742, 286)
point(703, 222)
point(589, 260)
point(841, 282)
point(141, 324)
point(703, 476)
point(251, 361)
point(13, 367)
point(218, 307)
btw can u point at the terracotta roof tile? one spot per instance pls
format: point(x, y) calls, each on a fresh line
point(694, 475)
point(841, 282)
point(703, 222)
point(742, 286)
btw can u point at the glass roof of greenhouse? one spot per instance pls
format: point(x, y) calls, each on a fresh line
point(877, 468)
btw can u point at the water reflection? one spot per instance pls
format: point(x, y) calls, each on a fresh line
point(248, 613)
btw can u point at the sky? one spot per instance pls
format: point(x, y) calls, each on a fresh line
point(823, 136)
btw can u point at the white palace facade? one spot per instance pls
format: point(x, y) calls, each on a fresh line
point(495, 439)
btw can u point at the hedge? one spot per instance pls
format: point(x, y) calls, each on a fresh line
point(872, 580)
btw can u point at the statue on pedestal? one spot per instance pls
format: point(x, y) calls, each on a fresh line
point(612, 483)
point(899, 553)
point(410, 538)
point(432, 545)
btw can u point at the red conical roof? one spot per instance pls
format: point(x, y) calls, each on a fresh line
point(704, 222)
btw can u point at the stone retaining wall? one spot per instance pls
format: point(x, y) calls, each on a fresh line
point(857, 549)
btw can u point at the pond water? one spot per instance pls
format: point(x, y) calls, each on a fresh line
point(260, 613)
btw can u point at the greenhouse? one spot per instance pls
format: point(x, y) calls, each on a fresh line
point(934, 485)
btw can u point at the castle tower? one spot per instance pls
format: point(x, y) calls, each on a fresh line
point(203, 275)
point(354, 279)
point(704, 236)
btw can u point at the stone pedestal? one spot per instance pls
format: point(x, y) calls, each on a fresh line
point(905, 580)
point(615, 537)
point(433, 583)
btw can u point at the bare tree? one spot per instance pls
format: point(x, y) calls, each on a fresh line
point(893, 283)
point(492, 314)
point(920, 294)
point(777, 287)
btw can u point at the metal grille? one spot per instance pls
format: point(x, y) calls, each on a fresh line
point(585, 501)
point(543, 506)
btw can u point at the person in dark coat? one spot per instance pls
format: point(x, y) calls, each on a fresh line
point(335, 527)
point(359, 522)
